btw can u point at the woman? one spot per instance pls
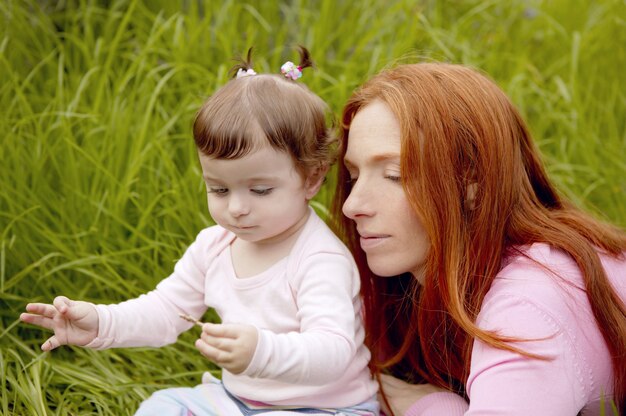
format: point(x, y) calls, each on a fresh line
point(480, 282)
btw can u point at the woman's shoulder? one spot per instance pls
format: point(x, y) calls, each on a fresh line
point(539, 296)
point(548, 279)
point(538, 267)
point(536, 276)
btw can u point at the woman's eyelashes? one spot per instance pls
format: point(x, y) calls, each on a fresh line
point(393, 177)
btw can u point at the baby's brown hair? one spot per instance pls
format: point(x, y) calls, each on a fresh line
point(253, 110)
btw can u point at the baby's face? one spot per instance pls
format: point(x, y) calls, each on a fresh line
point(260, 197)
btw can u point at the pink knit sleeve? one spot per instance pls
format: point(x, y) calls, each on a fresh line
point(152, 319)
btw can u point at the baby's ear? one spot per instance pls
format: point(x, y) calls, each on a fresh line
point(314, 180)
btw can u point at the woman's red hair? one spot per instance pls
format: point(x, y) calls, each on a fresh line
point(460, 132)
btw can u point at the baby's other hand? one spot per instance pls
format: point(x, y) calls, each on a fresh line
point(231, 346)
point(73, 322)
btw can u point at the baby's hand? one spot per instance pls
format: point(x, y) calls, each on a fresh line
point(231, 346)
point(73, 322)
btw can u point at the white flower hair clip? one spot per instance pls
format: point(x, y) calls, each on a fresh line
point(242, 73)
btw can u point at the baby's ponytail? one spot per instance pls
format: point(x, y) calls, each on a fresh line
point(243, 67)
point(305, 58)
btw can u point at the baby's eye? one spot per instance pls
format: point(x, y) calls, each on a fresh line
point(218, 190)
point(262, 191)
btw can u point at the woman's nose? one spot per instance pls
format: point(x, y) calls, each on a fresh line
point(357, 203)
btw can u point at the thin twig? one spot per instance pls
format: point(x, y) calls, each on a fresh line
point(191, 319)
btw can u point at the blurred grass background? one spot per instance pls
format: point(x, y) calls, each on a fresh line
point(100, 189)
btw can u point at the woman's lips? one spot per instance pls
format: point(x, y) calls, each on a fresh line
point(369, 241)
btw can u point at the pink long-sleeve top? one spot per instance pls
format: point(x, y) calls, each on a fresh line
point(538, 297)
point(306, 309)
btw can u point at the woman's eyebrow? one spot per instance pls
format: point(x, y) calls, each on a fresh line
point(381, 157)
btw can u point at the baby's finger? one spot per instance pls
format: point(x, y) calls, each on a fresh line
point(51, 343)
point(62, 304)
point(222, 344)
point(220, 330)
point(44, 309)
point(212, 353)
point(39, 320)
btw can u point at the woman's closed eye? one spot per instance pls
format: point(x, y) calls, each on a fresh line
point(392, 174)
point(393, 178)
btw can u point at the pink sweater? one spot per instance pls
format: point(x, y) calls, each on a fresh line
point(306, 308)
point(527, 301)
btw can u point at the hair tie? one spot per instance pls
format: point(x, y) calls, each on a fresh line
point(242, 73)
point(290, 70)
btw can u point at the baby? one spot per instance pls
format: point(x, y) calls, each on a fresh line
point(285, 287)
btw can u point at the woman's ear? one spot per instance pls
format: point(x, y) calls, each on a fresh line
point(470, 199)
point(314, 180)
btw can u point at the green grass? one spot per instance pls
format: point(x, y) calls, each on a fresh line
point(100, 189)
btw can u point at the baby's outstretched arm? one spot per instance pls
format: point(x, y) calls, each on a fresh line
point(73, 322)
point(231, 346)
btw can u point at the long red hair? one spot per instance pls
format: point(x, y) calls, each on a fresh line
point(460, 132)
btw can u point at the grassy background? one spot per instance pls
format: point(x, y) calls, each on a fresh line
point(100, 189)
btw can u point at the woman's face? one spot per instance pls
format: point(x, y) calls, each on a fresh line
point(391, 235)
